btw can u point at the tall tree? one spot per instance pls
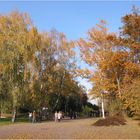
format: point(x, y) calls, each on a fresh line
point(15, 50)
point(103, 51)
point(130, 38)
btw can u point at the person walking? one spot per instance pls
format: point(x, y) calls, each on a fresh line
point(56, 116)
point(59, 116)
point(30, 116)
point(34, 117)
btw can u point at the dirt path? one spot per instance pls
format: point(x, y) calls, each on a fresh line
point(69, 129)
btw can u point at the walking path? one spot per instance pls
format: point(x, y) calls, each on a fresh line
point(69, 129)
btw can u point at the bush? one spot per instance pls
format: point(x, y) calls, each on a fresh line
point(114, 107)
point(86, 110)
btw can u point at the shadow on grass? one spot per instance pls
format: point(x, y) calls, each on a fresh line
point(137, 118)
point(22, 119)
point(5, 121)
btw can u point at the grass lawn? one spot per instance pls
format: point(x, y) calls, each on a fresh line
point(7, 121)
point(4, 121)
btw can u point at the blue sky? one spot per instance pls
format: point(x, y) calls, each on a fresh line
point(74, 18)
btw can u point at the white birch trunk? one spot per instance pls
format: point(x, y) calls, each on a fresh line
point(14, 115)
point(119, 89)
point(103, 111)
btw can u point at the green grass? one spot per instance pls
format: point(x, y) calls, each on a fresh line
point(7, 121)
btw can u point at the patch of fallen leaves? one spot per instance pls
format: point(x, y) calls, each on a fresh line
point(113, 120)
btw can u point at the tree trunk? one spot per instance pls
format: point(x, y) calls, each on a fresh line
point(14, 115)
point(56, 102)
point(0, 115)
point(1, 109)
point(59, 91)
point(118, 84)
point(103, 111)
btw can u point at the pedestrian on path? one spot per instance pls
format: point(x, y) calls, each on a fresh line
point(59, 116)
point(30, 116)
point(34, 117)
point(56, 116)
